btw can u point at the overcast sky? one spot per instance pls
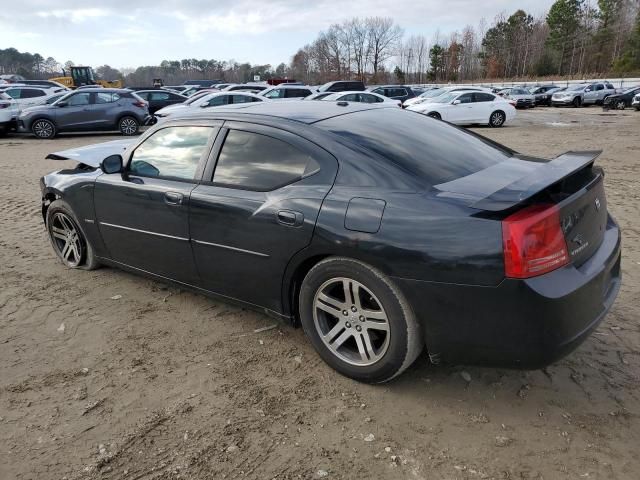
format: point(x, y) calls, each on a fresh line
point(128, 33)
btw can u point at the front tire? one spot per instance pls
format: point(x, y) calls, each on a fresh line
point(128, 125)
point(67, 238)
point(577, 102)
point(43, 128)
point(358, 321)
point(497, 119)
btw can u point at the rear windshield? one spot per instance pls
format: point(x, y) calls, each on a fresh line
point(430, 149)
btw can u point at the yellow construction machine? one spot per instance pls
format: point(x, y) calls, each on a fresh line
point(81, 76)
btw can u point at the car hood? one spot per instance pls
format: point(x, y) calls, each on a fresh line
point(172, 108)
point(92, 155)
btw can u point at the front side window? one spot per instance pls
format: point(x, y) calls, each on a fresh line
point(217, 101)
point(396, 92)
point(79, 99)
point(466, 98)
point(252, 161)
point(240, 99)
point(172, 152)
point(350, 97)
point(277, 93)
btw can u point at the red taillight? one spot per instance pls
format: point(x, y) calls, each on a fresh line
point(513, 103)
point(533, 242)
point(140, 104)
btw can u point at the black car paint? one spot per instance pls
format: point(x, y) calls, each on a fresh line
point(626, 97)
point(156, 104)
point(445, 256)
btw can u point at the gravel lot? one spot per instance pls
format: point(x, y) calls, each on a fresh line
point(107, 375)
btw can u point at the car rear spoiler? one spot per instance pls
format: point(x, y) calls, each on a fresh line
point(92, 155)
point(506, 184)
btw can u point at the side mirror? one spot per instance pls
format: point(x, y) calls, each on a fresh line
point(456, 102)
point(587, 89)
point(61, 104)
point(112, 164)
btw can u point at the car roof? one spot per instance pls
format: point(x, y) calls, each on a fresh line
point(372, 87)
point(303, 112)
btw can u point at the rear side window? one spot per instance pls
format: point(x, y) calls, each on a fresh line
point(297, 92)
point(106, 97)
point(396, 92)
point(252, 161)
point(430, 149)
point(31, 93)
point(483, 97)
point(172, 152)
point(159, 96)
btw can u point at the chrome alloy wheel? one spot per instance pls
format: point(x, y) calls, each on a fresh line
point(43, 129)
point(351, 321)
point(66, 239)
point(128, 126)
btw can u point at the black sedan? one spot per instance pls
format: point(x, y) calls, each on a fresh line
point(620, 101)
point(159, 98)
point(378, 241)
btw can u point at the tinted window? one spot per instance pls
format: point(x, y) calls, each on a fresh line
point(257, 162)
point(14, 93)
point(379, 91)
point(297, 92)
point(79, 99)
point(240, 99)
point(599, 87)
point(396, 92)
point(143, 95)
point(609, 85)
point(159, 96)
point(217, 101)
point(172, 152)
point(429, 149)
point(465, 98)
point(31, 93)
point(350, 97)
point(483, 97)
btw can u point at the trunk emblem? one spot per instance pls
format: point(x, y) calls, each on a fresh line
point(597, 204)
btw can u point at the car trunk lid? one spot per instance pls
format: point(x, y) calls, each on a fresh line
point(570, 182)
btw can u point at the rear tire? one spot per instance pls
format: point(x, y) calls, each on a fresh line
point(358, 321)
point(43, 129)
point(68, 239)
point(435, 115)
point(497, 119)
point(620, 105)
point(128, 125)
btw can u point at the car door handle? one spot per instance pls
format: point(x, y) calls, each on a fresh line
point(173, 198)
point(290, 218)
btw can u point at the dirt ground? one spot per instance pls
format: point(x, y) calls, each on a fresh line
point(105, 375)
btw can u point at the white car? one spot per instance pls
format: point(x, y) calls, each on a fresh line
point(26, 96)
point(361, 97)
point(468, 107)
point(436, 92)
point(217, 99)
point(7, 113)
point(285, 91)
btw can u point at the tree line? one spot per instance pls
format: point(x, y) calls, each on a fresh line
point(575, 38)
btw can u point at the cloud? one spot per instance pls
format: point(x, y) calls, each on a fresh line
point(74, 15)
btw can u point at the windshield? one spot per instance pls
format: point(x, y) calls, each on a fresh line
point(576, 87)
point(432, 93)
point(333, 97)
point(631, 90)
point(445, 97)
point(434, 151)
